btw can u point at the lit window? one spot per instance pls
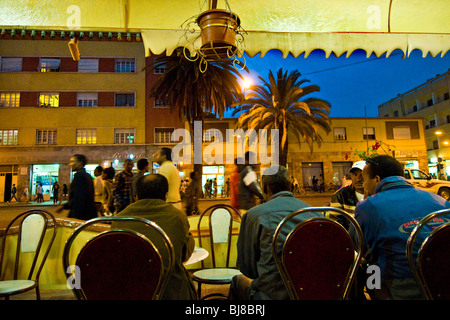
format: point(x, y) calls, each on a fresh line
point(211, 134)
point(49, 65)
point(339, 134)
point(124, 136)
point(10, 99)
point(45, 136)
point(49, 100)
point(86, 136)
point(8, 137)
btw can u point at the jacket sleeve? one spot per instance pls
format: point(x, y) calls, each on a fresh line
point(248, 247)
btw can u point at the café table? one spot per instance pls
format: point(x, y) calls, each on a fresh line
point(198, 255)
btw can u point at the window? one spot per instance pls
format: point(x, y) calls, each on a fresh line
point(429, 102)
point(49, 65)
point(163, 135)
point(339, 134)
point(124, 136)
point(211, 134)
point(86, 136)
point(160, 103)
point(88, 65)
point(160, 69)
point(87, 99)
point(11, 64)
point(45, 136)
point(446, 96)
point(49, 100)
point(435, 144)
point(402, 133)
point(432, 123)
point(414, 107)
point(124, 100)
point(369, 133)
point(396, 113)
point(8, 137)
point(10, 99)
point(125, 65)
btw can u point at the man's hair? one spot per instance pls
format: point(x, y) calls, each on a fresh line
point(152, 186)
point(81, 158)
point(384, 166)
point(110, 172)
point(142, 163)
point(276, 178)
point(167, 152)
point(99, 169)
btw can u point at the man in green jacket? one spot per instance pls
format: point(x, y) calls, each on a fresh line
point(151, 204)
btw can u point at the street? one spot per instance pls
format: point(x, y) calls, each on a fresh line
point(10, 210)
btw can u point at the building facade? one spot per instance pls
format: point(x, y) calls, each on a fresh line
point(431, 101)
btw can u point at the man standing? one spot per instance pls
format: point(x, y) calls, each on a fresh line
point(81, 195)
point(143, 166)
point(168, 170)
point(248, 185)
point(347, 197)
point(393, 204)
point(122, 186)
point(260, 279)
point(151, 204)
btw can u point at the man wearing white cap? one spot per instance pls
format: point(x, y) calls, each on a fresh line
point(347, 197)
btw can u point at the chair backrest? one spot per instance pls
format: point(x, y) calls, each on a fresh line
point(32, 228)
point(220, 228)
point(318, 259)
point(119, 264)
point(429, 259)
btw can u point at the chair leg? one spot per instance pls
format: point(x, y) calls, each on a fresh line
point(199, 290)
point(38, 294)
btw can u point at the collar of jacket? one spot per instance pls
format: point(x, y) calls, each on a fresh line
point(392, 182)
point(281, 194)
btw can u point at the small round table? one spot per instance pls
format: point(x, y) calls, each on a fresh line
point(198, 255)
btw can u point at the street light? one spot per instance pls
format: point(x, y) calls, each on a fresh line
point(246, 84)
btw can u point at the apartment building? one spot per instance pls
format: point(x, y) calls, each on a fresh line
point(431, 101)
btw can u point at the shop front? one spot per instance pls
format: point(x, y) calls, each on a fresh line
point(45, 174)
point(214, 176)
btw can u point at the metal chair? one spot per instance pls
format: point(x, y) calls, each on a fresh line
point(318, 258)
point(429, 259)
point(32, 226)
point(119, 264)
point(220, 227)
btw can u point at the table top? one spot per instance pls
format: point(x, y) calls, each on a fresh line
point(198, 255)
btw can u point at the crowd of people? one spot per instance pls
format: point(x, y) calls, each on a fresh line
point(379, 197)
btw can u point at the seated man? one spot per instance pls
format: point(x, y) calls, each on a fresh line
point(261, 279)
point(151, 193)
point(392, 203)
point(347, 197)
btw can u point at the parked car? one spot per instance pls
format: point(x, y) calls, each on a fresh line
point(423, 181)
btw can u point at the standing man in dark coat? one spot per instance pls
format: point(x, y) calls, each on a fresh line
point(81, 195)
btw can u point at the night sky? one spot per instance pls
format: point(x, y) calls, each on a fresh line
point(350, 84)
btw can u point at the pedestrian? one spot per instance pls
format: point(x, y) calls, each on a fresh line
point(39, 195)
point(122, 186)
point(107, 194)
point(170, 171)
point(387, 217)
point(65, 192)
point(24, 194)
point(98, 188)
point(227, 188)
point(143, 166)
point(192, 195)
point(248, 185)
point(81, 197)
point(13, 193)
point(234, 187)
point(55, 189)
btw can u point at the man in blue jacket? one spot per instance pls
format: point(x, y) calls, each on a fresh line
point(387, 217)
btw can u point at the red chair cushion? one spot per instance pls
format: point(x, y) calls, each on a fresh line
point(118, 265)
point(318, 256)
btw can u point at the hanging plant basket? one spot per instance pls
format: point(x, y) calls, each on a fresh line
point(218, 31)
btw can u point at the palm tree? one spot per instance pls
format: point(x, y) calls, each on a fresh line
point(278, 104)
point(196, 89)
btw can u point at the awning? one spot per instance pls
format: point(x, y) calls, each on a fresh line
point(294, 26)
